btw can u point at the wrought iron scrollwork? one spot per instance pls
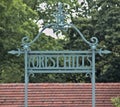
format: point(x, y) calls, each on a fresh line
point(94, 40)
point(88, 75)
point(60, 24)
point(25, 40)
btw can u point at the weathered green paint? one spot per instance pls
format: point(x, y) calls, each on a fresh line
point(59, 61)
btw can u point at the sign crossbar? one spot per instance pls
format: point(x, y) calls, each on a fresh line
point(59, 61)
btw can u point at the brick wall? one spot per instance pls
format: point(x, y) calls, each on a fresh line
point(58, 94)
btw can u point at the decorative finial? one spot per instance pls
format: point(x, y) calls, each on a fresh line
point(60, 16)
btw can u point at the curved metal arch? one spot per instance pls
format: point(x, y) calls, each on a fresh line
point(39, 34)
point(25, 40)
point(93, 42)
point(61, 25)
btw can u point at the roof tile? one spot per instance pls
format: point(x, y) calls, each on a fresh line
point(58, 94)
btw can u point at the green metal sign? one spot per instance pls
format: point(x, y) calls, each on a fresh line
point(59, 61)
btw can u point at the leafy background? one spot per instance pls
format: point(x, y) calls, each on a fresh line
point(100, 18)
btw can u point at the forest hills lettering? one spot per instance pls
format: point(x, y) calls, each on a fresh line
point(59, 61)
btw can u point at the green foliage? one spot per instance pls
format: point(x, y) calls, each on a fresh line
point(116, 101)
point(99, 18)
point(16, 22)
point(75, 42)
point(102, 20)
point(47, 43)
point(46, 8)
point(62, 78)
point(106, 27)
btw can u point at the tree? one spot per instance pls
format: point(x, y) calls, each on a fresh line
point(106, 19)
point(16, 22)
point(101, 20)
point(94, 18)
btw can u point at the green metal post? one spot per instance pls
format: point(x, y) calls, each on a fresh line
point(93, 76)
point(26, 80)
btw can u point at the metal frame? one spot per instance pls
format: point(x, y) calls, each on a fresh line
point(35, 60)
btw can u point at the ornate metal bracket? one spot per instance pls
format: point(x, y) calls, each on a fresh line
point(60, 24)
